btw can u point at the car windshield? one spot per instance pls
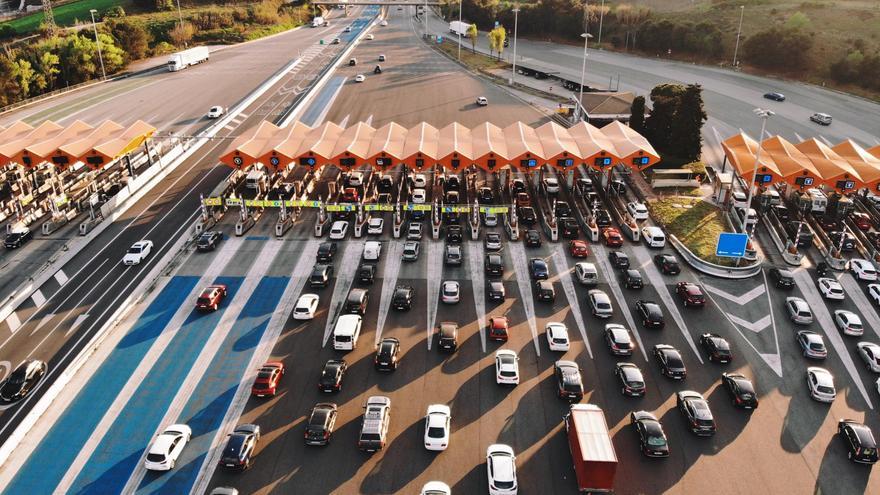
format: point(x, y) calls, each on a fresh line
point(508, 373)
point(603, 305)
point(656, 441)
point(155, 457)
point(134, 250)
point(17, 378)
point(824, 389)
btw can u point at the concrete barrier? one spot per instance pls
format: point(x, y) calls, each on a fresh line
point(703, 266)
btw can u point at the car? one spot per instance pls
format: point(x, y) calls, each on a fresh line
point(494, 265)
point(774, 96)
point(798, 310)
point(452, 198)
point(331, 375)
point(268, 376)
point(544, 291)
point(569, 384)
point(501, 470)
point(452, 255)
point(523, 199)
point(652, 315)
point(347, 29)
point(411, 250)
point(326, 252)
point(506, 367)
point(820, 383)
point(870, 353)
point(843, 240)
point(848, 322)
point(741, 390)
point(369, 37)
point(632, 279)
point(782, 278)
point(419, 196)
point(603, 218)
point(527, 215)
point(335, 41)
point(419, 181)
point(821, 118)
point(482, 101)
point(667, 264)
point(538, 269)
point(637, 210)
point(495, 290)
point(137, 253)
point(654, 237)
point(372, 251)
point(383, 23)
point(208, 240)
point(438, 422)
point(387, 354)
point(450, 292)
point(578, 249)
point(569, 228)
point(22, 381)
point(632, 382)
point(586, 273)
point(551, 185)
point(812, 344)
point(861, 220)
point(210, 298)
point(485, 195)
point(16, 239)
point(320, 276)
point(669, 359)
point(691, 294)
point(492, 242)
point(612, 238)
point(518, 185)
point(375, 226)
point(557, 336)
point(224, 490)
point(490, 219)
point(617, 186)
point(321, 423)
point(436, 488)
point(414, 231)
point(454, 234)
point(447, 336)
point(356, 302)
point(716, 347)
point(533, 238)
point(874, 292)
point(600, 303)
point(402, 298)
point(377, 69)
point(240, 447)
point(306, 306)
point(498, 328)
point(359, 78)
point(859, 440)
point(562, 210)
point(167, 447)
point(215, 112)
point(696, 411)
point(618, 260)
point(618, 339)
point(652, 438)
point(862, 270)
point(382, 57)
point(338, 229)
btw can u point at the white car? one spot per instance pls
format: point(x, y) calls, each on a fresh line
point(490, 219)
point(482, 101)
point(557, 336)
point(600, 304)
point(506, 367)
point(586, 273)
point(450, 292)
point(338, 229)
point(419, 181)
point(167, 447)
point(874, 292)
point(638, 210)
point(137, 252)
point(359, 78)
point(370, 37)
point(798, 310)
point(414, 231)
point(821, 384)
point(419, 196)
point(306, 306)
point(383, 23)
point(437, 427)
point(870, 353)
point(436, 488)
point(372, 250)
point(501, 468)
point(551, 185)
point(848, 322)
point(862, 269)
point(375, 226)
point(654, 237)
point(355, 179)
point(215, 112)
point(830, 289)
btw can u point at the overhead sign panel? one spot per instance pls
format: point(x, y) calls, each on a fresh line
point(731, 245)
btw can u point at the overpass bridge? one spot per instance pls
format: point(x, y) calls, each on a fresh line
point(354, 3)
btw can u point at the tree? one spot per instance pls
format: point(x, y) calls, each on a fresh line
point(637, 115)
point(796, 21)
point(23, 73)
point(496, 40)
point(114, 12)
point(778, 48)
point(686, 139)
point(132, 37)
point(472, 35)
point(182, 33)
point(659, 124)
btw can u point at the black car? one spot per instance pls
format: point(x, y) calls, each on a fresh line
point(716, 347)
point(533, 238)
point(495, 290)
point(670, 361)
point(805, 238)
point(15, 240)
point(667, 264)
point(485, 195)
point(22, 380)
point(652, 315)
point(741, 390)
point(652, 439)
point(526, 215)
point(848, 244)
point(403, 297)
point(320, 276)
point(208, 240)
point(563, 210)
point(447, 336)
point(632, 382)
point(859, 440)
point(774, 96)
point(332, 375)
point(321, 423)
point(366, 273)
point(781, 212)
point(632, 279)
point(494, 265)
point(696, 411)
point(453, 234)
point(782, 278)
point(603, 219)
point(569, 228)
point(569, 385)
point(544, 291)
point(538, 269)
point(240, 447)
point(387, 354)
point(619, 260)
point(518, 186)
point(356, 302)
point(326, 252)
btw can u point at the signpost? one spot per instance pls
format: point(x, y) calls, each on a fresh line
point(731, 245)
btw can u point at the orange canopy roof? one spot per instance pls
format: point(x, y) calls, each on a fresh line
point(835, 171)
point(420, 146)
point(281, 149)
point(631, 147)
point(864, 163)
point(354, 142)
point(11, 148)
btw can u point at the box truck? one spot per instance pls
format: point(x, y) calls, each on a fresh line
point(317, 22)
point(182, 60)
point(592, 452)
point(458, 27)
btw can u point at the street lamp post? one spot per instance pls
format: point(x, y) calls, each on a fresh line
point(742, 10)
point(601, 17)
point(98, 42)
point(180, 20)
point(586, 37)
point(460, 4)
point(515, 22)
point(764, 114)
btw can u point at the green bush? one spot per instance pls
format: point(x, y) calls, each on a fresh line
point(114, 12)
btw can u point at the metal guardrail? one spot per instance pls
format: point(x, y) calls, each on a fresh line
point(701, 265)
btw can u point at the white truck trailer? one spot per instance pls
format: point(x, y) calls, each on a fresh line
point(182, 60)
point(459, 27)
point(317, 22)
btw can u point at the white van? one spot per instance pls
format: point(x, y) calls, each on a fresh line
point(586, 273)
point(255, 177)
point(346, 332)
point(752, 219)
point(654, 237)
point(739, 199)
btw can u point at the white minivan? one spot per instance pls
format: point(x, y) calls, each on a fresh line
point(654, 237)
point(346, 332)
point(256, 177)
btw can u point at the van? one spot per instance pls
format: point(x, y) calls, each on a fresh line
point(772, 197)
point(346, 332)
point(256, 177)
point(356, 302)
point(752, 218)
point(739, 199)
point(818, 200)
point(586, 274)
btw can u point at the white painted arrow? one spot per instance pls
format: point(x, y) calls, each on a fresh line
point(773, 361)
point(741, 300)
point(76, 323)
point(755, 327)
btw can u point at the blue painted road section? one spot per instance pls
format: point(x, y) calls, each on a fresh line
point(117, 455)
point(212, 397)
point(319, 105)
point(42, 472)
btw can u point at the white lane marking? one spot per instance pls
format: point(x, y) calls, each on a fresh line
point(798, 136)
point(46, 319)
point(13, 322)
point(393, 255)
point(608, 272)
point(564, 272)
point(521, 272)
point(369, 120)
point(772, 360)
point(825, 140)
point(60, 277)
point(344, 121)
point(434, 276)
point(38, 298)
point(478, 283)
point(344, 278)
point(741, 300)
point(229, 126)
point(858, 298)
point(753, 326)
point(79, 321)
point(243, 115)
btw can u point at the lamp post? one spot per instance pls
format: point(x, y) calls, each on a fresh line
point(460, 4)
point(425, 13)
point(601, 17)
point(515, 23)
point(764, 114)
point(742, 10)
point(98, 42)
point(180, 21)
point(586, 37)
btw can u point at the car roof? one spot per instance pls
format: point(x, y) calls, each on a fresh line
point(823, 376)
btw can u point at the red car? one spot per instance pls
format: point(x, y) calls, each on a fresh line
point(498, 326)
point(350, 195)
point(267, 380)
point(523, 199)
point(691, 294)
point(862, 220)
point(211, 297)
point(578, 249)
point(612, 237)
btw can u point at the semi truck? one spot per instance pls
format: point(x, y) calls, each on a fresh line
point(182, 60)
point(317, 22)
point(592, 452)
point(459, 27)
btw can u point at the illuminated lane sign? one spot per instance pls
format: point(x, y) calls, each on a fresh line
point(641, 160)
point(307, 161)
point(383, 162)
point(846, 185)
point(347, 162)
point(602, 161)
point(803, 181)
point(566, 162)
point(763, 178)
point(530, 163)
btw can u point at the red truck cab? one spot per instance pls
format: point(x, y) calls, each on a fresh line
point(210, 298)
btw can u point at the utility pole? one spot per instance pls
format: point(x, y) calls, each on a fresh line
point(742, 10)
point(601, 17)
point(515, 23)
point(764, 114)
point(49, 17)
point(180, 20)
point(98, 42)
point(460, 4)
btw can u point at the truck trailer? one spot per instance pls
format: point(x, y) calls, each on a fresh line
point(592, 452)
point(458, 27)
point(182, 60)
point(317, 22)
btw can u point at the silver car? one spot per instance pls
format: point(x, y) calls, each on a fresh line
point(600, 304)
point(798, 310)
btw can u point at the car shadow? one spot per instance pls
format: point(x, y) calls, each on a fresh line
point(402, 461)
